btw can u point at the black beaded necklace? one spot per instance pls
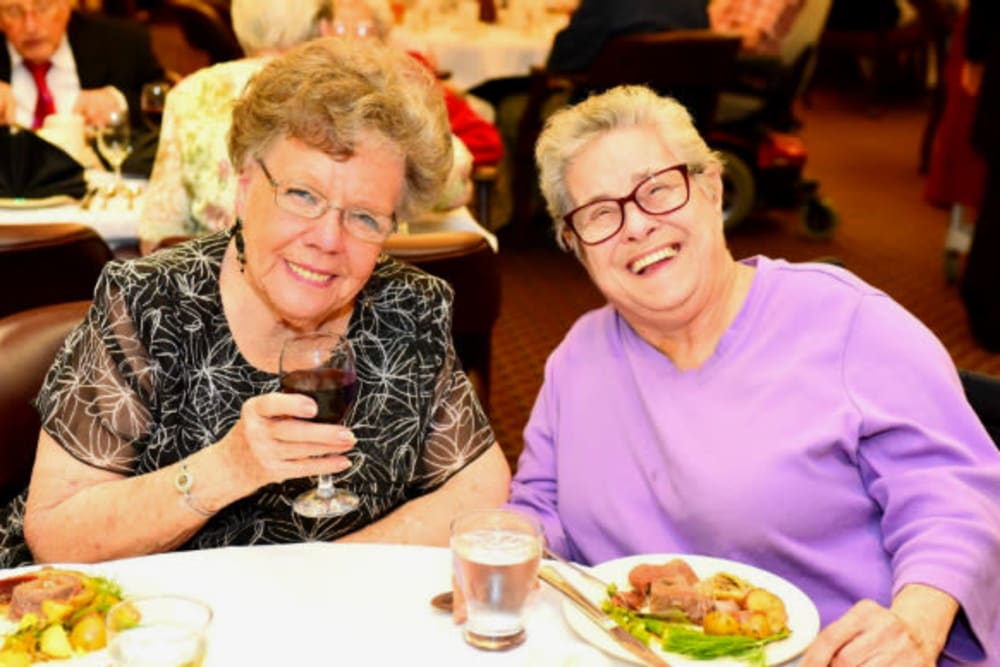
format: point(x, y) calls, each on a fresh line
point(236, 232)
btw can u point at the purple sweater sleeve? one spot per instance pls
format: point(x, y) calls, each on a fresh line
point(924, 458)
point(534, 489)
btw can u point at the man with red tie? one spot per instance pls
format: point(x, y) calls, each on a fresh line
point(54, 59)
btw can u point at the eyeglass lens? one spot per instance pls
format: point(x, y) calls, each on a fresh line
point(663, 192)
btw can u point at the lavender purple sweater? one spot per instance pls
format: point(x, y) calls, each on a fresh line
point(827, 440)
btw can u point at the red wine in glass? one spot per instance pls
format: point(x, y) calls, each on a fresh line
point(152, 99)
point(321, 366)
point(333, 390)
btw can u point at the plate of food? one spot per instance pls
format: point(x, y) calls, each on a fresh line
point(699, 611)
point(55, 615)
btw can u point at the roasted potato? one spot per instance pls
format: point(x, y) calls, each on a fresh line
point(720, 623)
point(725, 586)
point(755, 624)
point(766, 602)
point(89, 634)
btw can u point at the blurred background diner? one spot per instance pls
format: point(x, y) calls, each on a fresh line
point(868, 99)
point(56, 59)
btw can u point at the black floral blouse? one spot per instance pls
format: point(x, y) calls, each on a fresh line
point(153, 375)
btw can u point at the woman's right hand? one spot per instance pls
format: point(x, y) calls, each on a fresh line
point(274, 440)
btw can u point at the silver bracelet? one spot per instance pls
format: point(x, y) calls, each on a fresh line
point(183, 483)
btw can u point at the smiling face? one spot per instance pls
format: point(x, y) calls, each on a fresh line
point(35, 29)
point(308, 272)
point(659, 271)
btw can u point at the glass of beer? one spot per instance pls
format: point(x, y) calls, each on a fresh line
point(495, 558)
point(158, 631)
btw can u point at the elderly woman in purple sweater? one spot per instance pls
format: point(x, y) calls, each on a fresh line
point(788, 416)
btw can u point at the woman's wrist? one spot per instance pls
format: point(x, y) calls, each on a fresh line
point(184, 483)
point(928, 612)
point(211, 478)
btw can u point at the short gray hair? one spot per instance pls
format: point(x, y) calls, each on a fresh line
point(262, 25)
point(327, 92)
point(568, 130)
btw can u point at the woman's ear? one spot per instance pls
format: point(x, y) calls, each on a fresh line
point(242, 187)
point(710, 181)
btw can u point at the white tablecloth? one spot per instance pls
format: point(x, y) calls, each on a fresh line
point(117, 225)
point(328, 604)
point(487, 51)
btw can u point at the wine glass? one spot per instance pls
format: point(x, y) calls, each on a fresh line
point(151, 102)
point(114, 141)
point(321, 366)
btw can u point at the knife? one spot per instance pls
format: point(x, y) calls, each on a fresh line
point(594, 613)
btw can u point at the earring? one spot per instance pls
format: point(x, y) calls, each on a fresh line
point(237, 233)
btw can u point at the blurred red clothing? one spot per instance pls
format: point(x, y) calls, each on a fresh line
point(479, 135)
point(956, 173)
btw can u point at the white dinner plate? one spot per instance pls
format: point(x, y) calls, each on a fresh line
point(42, 202)
point(803, 617)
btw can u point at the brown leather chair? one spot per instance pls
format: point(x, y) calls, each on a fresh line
point(49, 263)
point(29, 340)
point(467, 262)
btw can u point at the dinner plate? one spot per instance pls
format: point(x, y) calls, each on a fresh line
point(803, 617)
point(41, 202)
point(93, 659)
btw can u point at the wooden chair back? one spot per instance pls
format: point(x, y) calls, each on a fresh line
point(49, 263)
point(467, 262)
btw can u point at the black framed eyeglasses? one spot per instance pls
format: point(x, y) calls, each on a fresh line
point(664, 192)
point(303, 201)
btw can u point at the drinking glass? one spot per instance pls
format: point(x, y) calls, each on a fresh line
point(151, 102)
point(321, 366)
point(158, 631)
point(114, 141)
point(495, 555)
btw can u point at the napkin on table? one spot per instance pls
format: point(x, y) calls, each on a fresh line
point(32, 168)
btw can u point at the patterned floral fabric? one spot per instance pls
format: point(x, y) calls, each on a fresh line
point(192, 189)
point(153, 375)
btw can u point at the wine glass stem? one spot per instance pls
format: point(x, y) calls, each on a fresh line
point(324, 489)
point(118, 177)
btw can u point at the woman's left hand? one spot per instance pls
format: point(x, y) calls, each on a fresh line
point(870, 635)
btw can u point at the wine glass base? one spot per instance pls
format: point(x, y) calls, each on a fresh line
point(312, 504)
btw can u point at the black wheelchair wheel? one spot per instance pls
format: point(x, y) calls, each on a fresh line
point(739, 190)
point(819, 219)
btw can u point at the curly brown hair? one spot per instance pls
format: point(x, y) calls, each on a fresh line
point(327, 92)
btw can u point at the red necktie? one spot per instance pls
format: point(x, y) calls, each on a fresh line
point(45, 104)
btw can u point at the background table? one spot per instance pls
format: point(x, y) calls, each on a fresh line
point(486, 51)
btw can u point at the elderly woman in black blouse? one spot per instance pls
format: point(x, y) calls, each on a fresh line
point(162, 424)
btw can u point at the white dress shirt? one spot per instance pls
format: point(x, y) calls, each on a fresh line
point(63, 81)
